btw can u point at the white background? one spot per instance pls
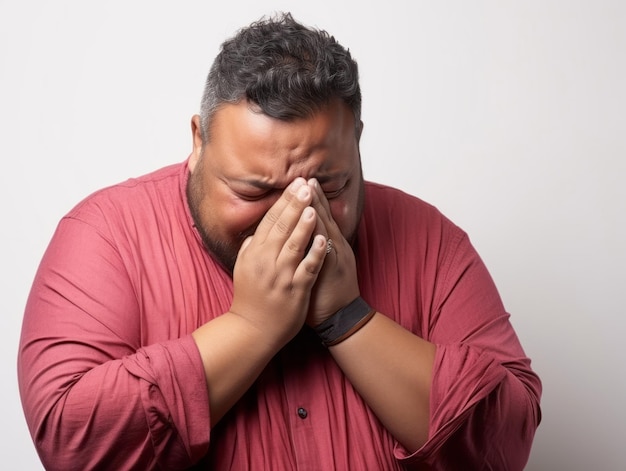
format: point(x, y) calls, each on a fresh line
point(510, 116)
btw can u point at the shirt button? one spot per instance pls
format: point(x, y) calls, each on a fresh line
point(302, 413)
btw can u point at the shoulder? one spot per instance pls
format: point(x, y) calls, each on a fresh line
point(377, 191)
point(134, 190)
point(134, 200)
point(393, 216)
point(394, 204)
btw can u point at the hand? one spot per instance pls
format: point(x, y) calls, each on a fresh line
point(273, 276)
point(337, 284)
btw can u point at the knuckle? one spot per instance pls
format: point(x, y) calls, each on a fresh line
point(271, 217)
point(282, 227)
point(293, 247)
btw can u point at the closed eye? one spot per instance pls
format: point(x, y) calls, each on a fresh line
point(249, 190)
point(253, 196)
point(333, 193)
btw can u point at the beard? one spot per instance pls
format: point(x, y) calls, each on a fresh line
point(225, 251)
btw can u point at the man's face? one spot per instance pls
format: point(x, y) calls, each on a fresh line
point(250, 159)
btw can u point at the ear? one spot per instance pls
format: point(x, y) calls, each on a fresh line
point(196, 135)
point(359, 131)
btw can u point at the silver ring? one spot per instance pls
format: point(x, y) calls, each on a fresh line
point(329, 246)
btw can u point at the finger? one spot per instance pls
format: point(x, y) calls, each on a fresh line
point(245, 244)
point(322, 206)
point(320, 226)
point(282, 217)
point(311, 265)
point(295, 247)
point(319, 196)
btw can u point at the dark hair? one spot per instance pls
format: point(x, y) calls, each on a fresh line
point(287, 69)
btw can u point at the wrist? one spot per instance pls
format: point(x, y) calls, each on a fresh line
point(270, 336)
point(345, 322)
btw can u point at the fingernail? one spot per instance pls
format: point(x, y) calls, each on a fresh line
point(297, 183)
point(303, 192)
point(294, 185)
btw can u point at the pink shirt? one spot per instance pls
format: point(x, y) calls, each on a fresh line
point(110, 377)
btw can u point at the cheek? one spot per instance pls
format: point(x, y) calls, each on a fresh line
point(344, 211)
point(340, 210)
point(239, 216)
point(344, 214)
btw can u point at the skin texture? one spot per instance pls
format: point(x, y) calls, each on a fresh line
point(243, 170)
point(260, 190)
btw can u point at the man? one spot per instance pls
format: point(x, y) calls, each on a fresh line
point(260, 306)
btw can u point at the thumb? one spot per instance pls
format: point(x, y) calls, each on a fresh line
point(245, 244)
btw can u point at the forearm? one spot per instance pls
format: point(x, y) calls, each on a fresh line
point(272, 278)
point(492, 404)
point(391, 368)
point(135, 404)
point(233, 352)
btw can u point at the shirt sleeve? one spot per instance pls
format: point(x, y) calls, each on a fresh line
point(89, 388)
point(484, 403)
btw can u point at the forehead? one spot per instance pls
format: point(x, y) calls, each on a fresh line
point(244, 139)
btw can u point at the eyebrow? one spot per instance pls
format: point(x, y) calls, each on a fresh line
point(262, 185)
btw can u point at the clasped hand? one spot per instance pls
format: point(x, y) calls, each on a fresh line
point(284, 276)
